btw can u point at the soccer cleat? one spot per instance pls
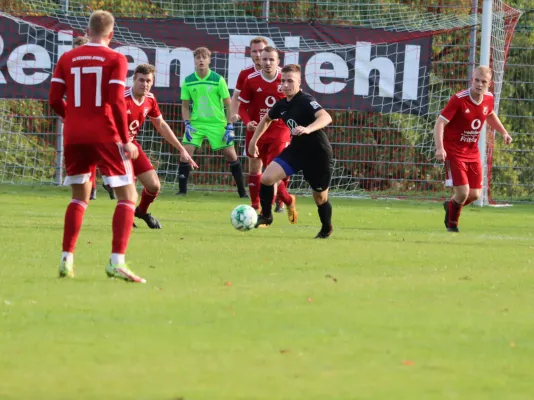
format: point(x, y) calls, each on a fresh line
point(292, 214)
point(263, 221)
point(324, 234)
point(279, 208)
point(93, 194)
point(66, 269)
point(453, 229)
point(181, 193)
point(121, 271)
point(152, 222)
point(110, 191)
point(243, 195)
point(446, 207)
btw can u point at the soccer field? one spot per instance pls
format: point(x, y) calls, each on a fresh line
point(390, 307)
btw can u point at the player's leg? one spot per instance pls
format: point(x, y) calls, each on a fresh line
point(453, 207)
point(272, 150)
point(184, 168)
point(254, 174)
point(78, 162)
point(151, 188)
point(318, 171)
point(475, 179)
point(274, 172)
point(119, 175)
point(236, 169)
point(145, 173)
point(93, 183)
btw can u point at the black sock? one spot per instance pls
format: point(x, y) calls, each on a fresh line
point(325, 214)
point(237, 172)
point(183, 176)
point(266, 200)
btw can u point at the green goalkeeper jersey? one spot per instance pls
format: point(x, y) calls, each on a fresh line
point(207, 95)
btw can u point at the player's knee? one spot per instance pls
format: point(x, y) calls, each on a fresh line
point(269, 180)
point(153, 187)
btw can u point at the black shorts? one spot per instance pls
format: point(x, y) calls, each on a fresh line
point(316, 163)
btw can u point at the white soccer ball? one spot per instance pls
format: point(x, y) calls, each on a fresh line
point(244, 218)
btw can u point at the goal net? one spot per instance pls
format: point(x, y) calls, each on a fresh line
point(384, 70)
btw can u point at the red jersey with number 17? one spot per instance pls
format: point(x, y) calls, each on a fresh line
point(260, 95)
point(465, 119)
point(87, 73)
point(138, 111)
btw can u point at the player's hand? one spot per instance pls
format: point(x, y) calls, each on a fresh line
point(185, 157)
point(189, 130)
point(234, 118)
point(300, 130)
point(253, 149)
point(131, 150)
point(507, 138)
point(229, 134)
point(441, 155)
point(251, 126)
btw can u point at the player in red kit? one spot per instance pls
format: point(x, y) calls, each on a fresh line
point(456, 134)
point(140, 103)
point(257, 45)
point(93, 77)
point(260, 92)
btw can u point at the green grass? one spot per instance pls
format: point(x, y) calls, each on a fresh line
point(391, 307)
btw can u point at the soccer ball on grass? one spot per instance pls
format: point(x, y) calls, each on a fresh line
point(244, 218)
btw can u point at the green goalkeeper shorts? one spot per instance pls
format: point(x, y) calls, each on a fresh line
point(213, 132)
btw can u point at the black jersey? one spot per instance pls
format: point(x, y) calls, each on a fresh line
point(300, 111)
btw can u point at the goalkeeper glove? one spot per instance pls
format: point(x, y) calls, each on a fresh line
point(229, 134)
point(189, 130)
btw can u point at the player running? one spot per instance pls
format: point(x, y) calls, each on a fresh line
point(261, 90)
point(456, 134)
point(309, 150)
point(93, 77)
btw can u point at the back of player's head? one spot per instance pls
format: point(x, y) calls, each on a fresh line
point(144, 69)
point(202, 51)
point(101, 23)
point(271, 49)
point(79, 41)
point(291, 68)
point(485, 70)
point(259, 39)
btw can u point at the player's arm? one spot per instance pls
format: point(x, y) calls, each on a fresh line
point(57, 91)
point(235, 106)
point(185, 110)
point(244, 100)
point(322, 119)
point(494, 121)
point(165, 131)
point(446, 115)
point(258, 133)
point(228, 109)
point(117, 103)
point(439, 127)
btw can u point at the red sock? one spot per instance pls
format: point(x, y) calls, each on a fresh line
point(123, 219)
point(147, 198)
point(455, 210)
point(73, 224)
point(468, 201)
point(93, 176)
point(254, 182)
point(282, 193)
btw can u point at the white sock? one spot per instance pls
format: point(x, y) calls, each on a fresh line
point(117, 259)
point(68, 257)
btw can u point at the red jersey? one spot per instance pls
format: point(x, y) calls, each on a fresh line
point(137, 112)
point(245, 72)
point(257, 97)
point(93, 77)
point(465, 119)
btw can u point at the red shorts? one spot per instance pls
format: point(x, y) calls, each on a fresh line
point(461, 173)
point(268, 150)
point(110, 158)
point(142, 163)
